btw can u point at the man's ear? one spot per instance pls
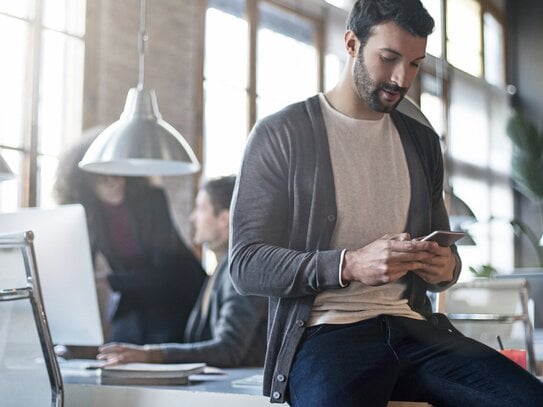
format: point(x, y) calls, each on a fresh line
point(224, 218)
point(351, 43)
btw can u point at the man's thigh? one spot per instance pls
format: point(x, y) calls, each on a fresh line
point(445, 368)
point(348, 365)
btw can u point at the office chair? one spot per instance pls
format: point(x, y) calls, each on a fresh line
point(29, 372)
point(485, 308)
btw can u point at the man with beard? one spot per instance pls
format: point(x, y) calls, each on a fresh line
point(330, 194)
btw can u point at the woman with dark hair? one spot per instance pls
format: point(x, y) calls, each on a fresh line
point(154, 277)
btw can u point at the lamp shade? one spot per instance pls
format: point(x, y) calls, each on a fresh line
point(459, 210)
point(140, 143)
point(460, 216)
point(5, 171)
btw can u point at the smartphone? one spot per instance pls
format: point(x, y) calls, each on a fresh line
point(444, 237)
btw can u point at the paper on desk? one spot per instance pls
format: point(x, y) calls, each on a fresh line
point(209, 374)
point(250, 381)
point(80, 364)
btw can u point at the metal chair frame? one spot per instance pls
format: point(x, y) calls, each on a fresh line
point(523, 291)
point(32, 293)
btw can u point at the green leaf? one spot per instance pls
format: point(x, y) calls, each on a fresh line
point(527, 158)
point(484, 270)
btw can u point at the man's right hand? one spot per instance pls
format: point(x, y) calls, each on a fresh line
point(386, 259)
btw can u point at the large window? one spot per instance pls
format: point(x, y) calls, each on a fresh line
point(464, 39)
point(259, 57)
point(286, 59)
point(480, 154)
point(41, 77)
point(225, 87)
point(463, 95)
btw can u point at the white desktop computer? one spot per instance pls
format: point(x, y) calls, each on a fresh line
point(65, 270)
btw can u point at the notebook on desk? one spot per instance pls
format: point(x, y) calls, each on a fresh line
point(151, 374)
point(64, 263)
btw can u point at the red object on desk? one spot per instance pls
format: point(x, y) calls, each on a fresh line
point(516, 355)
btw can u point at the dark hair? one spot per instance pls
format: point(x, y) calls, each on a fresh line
point(408, 14)
point(73, 185)
point(220, 192)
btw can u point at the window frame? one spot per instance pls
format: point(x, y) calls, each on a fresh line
point(445, 73)
point(28, 174)
point(307, 11)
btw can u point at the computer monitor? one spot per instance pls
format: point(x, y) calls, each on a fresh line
point(65, 269)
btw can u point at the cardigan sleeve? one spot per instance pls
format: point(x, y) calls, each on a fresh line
point(261, 262)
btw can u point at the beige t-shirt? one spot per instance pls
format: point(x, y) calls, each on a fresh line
point(373, 192)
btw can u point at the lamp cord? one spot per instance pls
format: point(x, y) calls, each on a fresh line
point(142, 44)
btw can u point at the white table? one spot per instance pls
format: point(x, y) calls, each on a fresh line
point(84, 390)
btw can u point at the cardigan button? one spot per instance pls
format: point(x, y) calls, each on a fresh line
point(331, 218)
point(300, 323)
point(276, 395)
point(280, 377)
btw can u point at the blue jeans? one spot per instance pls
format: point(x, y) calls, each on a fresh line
point(395, 358)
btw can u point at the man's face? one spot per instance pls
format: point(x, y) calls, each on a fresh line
point(209, 228)
point(386, 66)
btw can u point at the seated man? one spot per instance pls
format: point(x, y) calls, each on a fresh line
point(224, 329)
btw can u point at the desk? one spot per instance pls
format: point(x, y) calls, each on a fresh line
point(84, 390)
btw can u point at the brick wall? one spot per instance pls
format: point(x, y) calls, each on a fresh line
point(172, 68)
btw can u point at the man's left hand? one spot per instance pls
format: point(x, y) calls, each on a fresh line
point(438, 268)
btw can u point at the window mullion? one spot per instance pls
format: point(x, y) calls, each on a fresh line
point(482, 39)
point(320, 45)
point(252, 18)
point(30, 165)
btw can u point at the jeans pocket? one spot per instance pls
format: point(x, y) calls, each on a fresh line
point(440, 321)
point(312, 331)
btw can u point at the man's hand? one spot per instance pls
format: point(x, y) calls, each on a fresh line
point(389, 258)
point(439, 268)
point(115, 353)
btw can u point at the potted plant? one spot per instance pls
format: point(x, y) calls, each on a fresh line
point(527, 171)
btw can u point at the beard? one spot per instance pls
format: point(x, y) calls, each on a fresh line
point(368, 90)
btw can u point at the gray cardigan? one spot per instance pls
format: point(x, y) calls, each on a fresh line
point(284, 214)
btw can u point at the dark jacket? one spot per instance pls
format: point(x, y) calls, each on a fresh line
point(284, 214)
point(231, 334)
point(154, 297)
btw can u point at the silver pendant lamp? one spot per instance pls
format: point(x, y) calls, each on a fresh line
point(5, 171)
point(140, 143)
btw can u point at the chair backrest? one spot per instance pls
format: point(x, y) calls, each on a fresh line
point(486, 308)
point(29, 372)
point(491, 296)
